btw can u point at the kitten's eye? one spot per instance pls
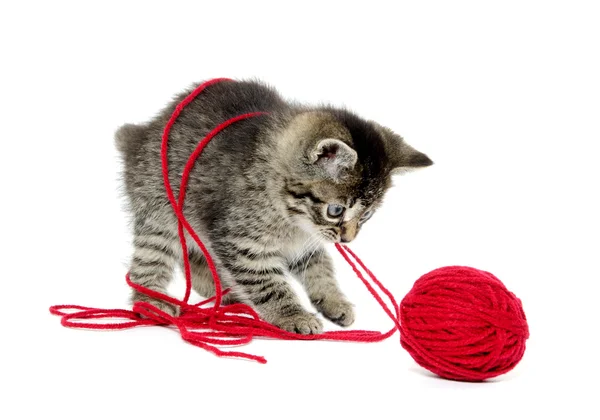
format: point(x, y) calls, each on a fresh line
point(366, 215)
point(335, 210)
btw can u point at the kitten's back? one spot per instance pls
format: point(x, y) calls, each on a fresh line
point(225, 100)
point(216, 104)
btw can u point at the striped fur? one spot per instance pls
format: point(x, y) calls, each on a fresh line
point(260, 197)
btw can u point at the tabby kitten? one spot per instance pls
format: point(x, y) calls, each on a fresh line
point(266, 195)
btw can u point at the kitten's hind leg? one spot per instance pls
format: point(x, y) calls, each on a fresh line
point(202, 280)
point(152, 265)
point(315, 271)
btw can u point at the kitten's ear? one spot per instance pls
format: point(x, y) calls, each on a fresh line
point(333, 157)
point(403, 157)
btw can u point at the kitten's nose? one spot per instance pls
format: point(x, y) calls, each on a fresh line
point(348, 233)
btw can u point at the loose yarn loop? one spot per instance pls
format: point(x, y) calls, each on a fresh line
point(463, 324)
point(458, 322)
point(210, 327)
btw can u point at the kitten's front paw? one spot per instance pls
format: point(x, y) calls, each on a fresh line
point(302, 323)
point(337, 310)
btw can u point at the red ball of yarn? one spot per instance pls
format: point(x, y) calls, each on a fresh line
point(462, 323)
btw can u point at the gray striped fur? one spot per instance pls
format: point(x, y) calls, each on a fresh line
point(258, 196)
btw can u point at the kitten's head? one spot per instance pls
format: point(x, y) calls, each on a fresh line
point(338, 167)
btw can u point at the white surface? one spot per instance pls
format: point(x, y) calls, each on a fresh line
point(504, 99)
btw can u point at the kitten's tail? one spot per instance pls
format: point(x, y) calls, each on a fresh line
point(128, 135)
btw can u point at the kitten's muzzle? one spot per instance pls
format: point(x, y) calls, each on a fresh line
point(348, 232)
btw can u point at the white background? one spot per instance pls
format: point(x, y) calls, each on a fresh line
point(505, 99)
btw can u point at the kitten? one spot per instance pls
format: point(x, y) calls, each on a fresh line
point(266, 195)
